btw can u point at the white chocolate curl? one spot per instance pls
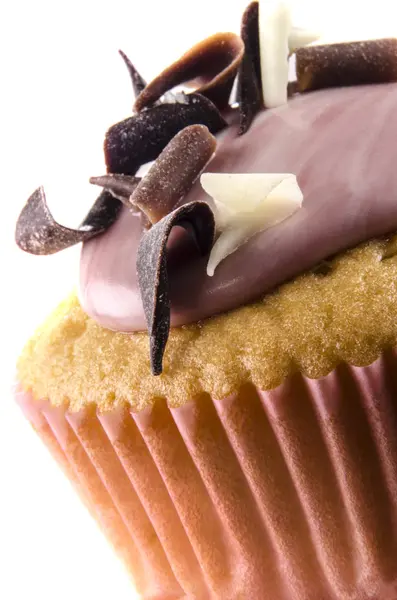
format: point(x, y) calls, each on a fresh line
point(277, 40)
point(246, 204)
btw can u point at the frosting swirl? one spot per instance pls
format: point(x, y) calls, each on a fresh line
point(339, 144)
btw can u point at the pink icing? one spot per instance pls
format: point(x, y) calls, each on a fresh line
point(340, 144)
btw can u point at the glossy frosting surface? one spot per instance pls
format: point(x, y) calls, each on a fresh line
point(340, 144)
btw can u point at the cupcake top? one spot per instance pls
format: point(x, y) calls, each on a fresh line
point(148, 244)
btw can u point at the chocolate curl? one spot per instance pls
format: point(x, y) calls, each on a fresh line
point(346, 64)
point(38, 233)
point(138, 83)
point(196, 217)
point(120, 186)
point(211, 64)
point(140, 139)
point(249, 90)
point(174, 172)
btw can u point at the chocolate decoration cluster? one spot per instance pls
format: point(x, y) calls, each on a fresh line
point(176, 131)
point(140, 139)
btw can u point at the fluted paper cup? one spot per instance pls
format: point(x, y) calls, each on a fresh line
point(286, 494)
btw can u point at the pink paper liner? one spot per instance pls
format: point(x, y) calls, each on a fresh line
point(284, 494)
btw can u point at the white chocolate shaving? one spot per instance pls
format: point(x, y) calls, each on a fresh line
point(274, 30)
point(246, 204)
point(277, 40)
point(299, 37)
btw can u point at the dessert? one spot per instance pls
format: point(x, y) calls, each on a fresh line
point(231, 423)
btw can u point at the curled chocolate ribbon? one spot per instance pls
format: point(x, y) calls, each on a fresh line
point(38, 233)
point(249, 90)
point(140, 139)
point(179, 164)
point(196, 218)
point(212, 64)
point(347, 63)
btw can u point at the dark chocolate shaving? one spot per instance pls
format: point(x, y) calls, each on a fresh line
point(152, 270)
point(120, 186)
point(346, 64)
point(174, 172)
point(138, 83)
point(211, 64)
point(140, 139)
point(38, 233)
point(249, 90)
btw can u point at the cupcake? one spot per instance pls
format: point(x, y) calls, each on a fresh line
point(222, 389)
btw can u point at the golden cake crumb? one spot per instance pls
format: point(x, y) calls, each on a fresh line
point(310, 324)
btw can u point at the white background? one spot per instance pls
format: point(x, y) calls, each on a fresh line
point(62, 84)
